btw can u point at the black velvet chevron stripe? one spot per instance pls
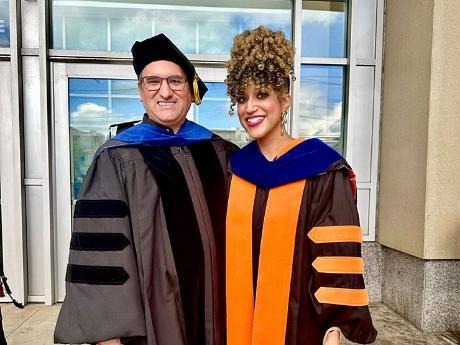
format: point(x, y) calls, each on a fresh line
point(96, 275)
point(101, 209)
point(94, 241)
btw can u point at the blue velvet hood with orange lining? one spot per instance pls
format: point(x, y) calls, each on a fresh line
point(303, 160)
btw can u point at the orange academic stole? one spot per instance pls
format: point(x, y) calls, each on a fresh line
point(262, 322)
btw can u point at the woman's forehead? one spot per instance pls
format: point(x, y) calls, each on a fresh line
point(252, 87)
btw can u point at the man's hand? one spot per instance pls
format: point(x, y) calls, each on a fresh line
point(332, 338)
point(110, 342)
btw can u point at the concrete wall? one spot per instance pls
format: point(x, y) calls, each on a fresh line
point(426, 292)
point(442, 218)
point(419, 210)
point(404, 131)
point(373, 270)
point(419, 200)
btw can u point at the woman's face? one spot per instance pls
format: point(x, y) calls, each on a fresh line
point(260, 111)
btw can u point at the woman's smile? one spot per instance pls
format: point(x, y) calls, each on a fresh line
point(255, 120)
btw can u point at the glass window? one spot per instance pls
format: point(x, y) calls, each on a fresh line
point(213, 113)
point(86, 33)
point(324, 28)
point(4, 24)
point(94, 105)
point(207, 28)
point(321, 103)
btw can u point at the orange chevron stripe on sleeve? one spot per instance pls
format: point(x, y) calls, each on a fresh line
point(339, 233)
point(339, 264)
point(341, 296)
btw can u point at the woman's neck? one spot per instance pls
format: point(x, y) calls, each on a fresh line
point(271, 147)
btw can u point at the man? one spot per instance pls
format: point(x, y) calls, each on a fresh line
point(146, 263)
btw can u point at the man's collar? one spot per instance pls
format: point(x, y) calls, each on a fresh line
point(148, 120)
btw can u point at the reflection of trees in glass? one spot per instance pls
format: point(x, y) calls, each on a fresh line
point(84, 145)
point(238, 136)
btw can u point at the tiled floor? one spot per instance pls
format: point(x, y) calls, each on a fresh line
point(34, 325)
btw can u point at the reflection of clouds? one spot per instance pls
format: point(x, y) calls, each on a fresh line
point(86, 33)
point(93, 117)
point(128, 29)
point(325, 18)
point(214, 28)
point(318, 117)
point(90, 110)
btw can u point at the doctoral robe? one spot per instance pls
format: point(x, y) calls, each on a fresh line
point(146, 259)
point(294, 266)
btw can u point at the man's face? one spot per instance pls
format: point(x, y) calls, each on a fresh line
point(165, 106)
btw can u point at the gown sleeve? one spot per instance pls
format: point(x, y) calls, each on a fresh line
point(336, 285)
point(103, 299)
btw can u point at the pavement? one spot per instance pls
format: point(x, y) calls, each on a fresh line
point(34, 325)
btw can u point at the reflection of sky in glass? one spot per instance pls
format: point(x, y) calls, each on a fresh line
point(125, 31)
point(88, 33)
point(323, 28)
point(4, 24)
point(213, 112)
point(321, 103)
point(95, 104)
point(195, 30)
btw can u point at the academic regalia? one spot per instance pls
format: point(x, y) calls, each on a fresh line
point(145, 260)
point(294, 266)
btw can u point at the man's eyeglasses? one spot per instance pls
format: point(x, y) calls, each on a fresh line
point(153, 83)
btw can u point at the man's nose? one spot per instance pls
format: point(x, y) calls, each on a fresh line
point(165, 91)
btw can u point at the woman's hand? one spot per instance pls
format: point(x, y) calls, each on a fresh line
point(332, 338)
point(110, 342)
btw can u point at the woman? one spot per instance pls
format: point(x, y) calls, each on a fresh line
point(294, 267)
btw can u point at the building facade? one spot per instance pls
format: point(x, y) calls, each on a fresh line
point(66, 76)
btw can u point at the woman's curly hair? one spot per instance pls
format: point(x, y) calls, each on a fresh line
point(261, 57)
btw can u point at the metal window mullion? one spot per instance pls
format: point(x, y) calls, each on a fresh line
point(376, 122)
point(61, 158)
point(109, 97)
point(48, 221)
point(351, 86)
point(89, 95)
point(13, 216)
point(324, 61)
point(5, 51)
point(293, 124)
point(366, 62)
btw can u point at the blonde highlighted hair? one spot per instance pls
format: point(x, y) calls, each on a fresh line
point(261, 57)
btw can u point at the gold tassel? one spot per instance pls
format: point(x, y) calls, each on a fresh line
point(196, 90)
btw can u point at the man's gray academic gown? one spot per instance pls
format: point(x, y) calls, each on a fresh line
point(147, 258)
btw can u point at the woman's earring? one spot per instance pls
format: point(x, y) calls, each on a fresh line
point(283, 122)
